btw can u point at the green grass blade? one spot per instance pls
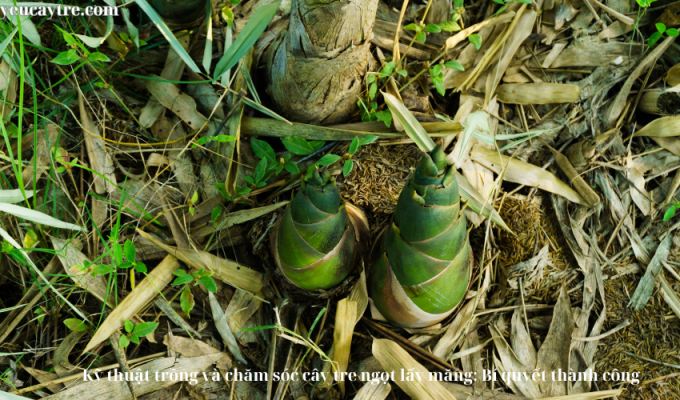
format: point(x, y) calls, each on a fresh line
point(411, 125)
point(247, 38)
point(158, 21)
point(473, 121)
point(264, 110)
point(8, 40)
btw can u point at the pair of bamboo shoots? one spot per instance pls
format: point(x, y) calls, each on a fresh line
point(421, 263)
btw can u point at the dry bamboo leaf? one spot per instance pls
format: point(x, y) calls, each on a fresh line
point(43, 377)
point(554, 352)
point(661, 127)
point(524, 386)
point(671, 144)
point(100, 160)
point(143, 293)
point(100, 210)
point(342, 336)
point(359, 295)
point(396, 360)
point(669, 295)
point(196, 348)
point(73, 262)
point(113, 40)
point(524, 27)
point(521, 341)
point(8, 88)
point(227, 271)
point(553, 54)
point(41, 157)
point(615, 30)
point(241, 308)
point(226, 221)
point(638, 194)
point(179, 103)
point(589, 195)
point(620, 101)
point(530, 270)
point(646, 286)
point(222, 326)
point(172, 71)
point(673, 75)
point(372, 391)
point(595, 53)
point(119, 390)
point(454, 333)
point(462, 35)
point(538, 93)
point(524, 173)
point(62, 366)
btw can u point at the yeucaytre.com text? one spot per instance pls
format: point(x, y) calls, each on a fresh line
point(57, 10)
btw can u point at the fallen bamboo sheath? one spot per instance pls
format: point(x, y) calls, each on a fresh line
point(538, 93)
point(660, 103)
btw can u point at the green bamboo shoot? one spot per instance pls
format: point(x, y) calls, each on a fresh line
point(421, 264)
point(318, 240)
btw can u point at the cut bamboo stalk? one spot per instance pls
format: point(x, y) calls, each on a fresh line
point(273, 128)
point(661, 103)
point(538, 93)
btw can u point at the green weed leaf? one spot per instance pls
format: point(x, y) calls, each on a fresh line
point(209, 284)
point(263, 150)
point(75, 324)
point(298, 145)
point(145, 328)
point(186, 301)
point(129, 250)
point(347, 168)
point(123, 342)
point(476, 40)
point(328, 159)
